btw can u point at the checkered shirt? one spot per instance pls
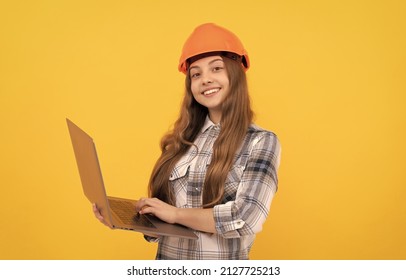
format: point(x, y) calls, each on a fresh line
point(248, 192)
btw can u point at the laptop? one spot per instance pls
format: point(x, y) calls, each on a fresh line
point(119, 213)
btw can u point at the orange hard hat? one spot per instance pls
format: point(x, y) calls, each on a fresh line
point(209, 38)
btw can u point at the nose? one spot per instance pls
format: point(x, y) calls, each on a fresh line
point(206, 79)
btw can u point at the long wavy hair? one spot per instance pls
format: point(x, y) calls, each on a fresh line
point(235, 120)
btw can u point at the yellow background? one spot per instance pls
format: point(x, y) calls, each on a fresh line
point(327, 76)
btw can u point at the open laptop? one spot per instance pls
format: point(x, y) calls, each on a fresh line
point(119, 213)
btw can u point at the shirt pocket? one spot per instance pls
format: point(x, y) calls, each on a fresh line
point(179, 180)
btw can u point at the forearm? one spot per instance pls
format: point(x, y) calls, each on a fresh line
point(196, 218)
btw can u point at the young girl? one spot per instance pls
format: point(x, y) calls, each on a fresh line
point(217, 173)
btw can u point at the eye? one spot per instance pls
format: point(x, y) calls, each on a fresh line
point(194, 75)
point(217, 68)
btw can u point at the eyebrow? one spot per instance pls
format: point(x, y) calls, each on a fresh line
point(211, 62)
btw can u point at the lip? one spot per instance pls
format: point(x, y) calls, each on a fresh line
point(210, 91)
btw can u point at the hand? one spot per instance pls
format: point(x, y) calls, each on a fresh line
point(98, 215)
point(194, 218)
point(158, 208)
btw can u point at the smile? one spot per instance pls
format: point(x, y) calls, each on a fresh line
point(211, 91)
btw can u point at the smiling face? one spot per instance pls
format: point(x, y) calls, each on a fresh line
point(210, 84)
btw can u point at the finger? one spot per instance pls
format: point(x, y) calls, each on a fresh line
point(151, 206)
point(147, 210)
point(141, 203)
point(97, 213)
point(154, 202)
point(145, 207)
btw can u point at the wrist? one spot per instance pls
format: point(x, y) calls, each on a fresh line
point(177, 219)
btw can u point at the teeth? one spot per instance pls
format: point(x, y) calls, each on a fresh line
point(210, 91)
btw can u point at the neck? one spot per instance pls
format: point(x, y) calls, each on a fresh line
point(215, 116)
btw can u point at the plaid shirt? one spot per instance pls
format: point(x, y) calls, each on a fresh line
point(249, 189)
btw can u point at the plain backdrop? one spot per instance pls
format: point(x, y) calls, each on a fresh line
point(328, 77)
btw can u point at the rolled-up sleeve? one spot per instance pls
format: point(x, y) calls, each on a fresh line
point(247, 213)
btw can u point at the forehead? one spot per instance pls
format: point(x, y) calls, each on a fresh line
point(205, 61)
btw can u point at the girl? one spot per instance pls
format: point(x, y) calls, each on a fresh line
point(217, 173)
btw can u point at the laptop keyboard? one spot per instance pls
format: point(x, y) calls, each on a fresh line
point(125, 211)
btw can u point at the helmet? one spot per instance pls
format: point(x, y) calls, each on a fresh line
point(209, 38)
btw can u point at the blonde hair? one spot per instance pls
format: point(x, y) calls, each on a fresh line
point(236, 118)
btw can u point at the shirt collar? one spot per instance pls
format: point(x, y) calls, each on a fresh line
point(208, 124)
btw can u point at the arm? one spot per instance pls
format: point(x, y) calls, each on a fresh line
point(254, 191)
point(195, 218)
